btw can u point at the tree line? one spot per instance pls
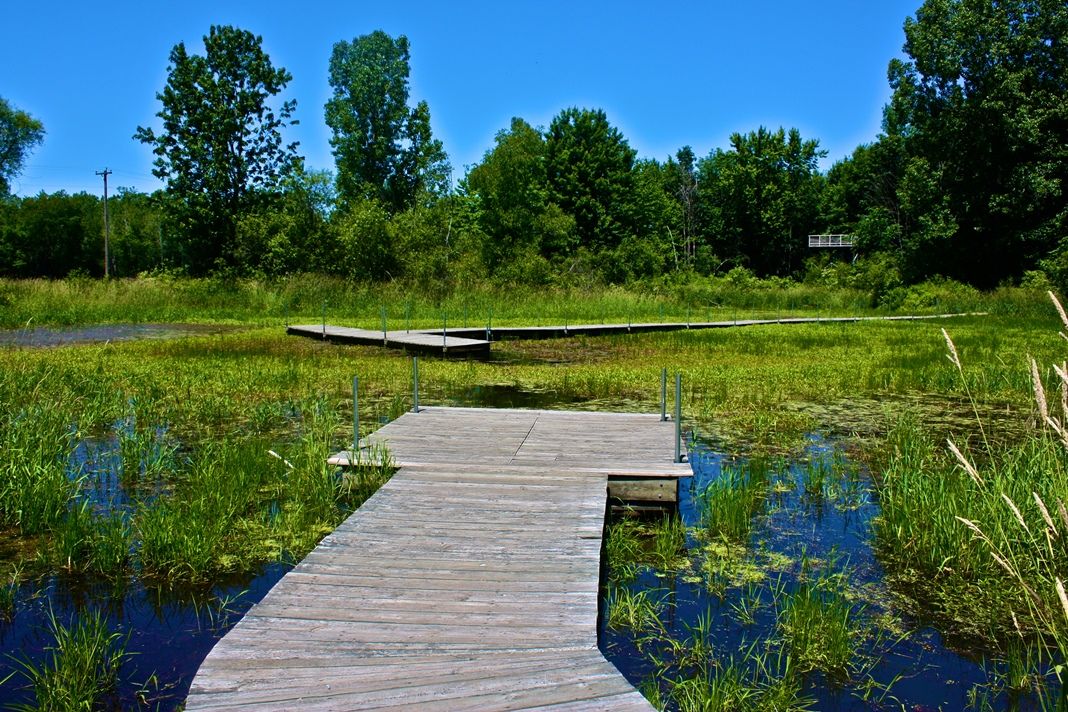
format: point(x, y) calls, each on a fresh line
point(967, 179)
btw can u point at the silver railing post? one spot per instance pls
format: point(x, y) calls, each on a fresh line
point(355, 422)
point(415, 384)
point(678, 417)
point(663, 394)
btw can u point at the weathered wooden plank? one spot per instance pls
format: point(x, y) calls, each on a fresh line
point(469, 580)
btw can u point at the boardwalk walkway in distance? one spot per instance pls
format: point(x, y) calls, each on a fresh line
point(469, 581)
point(459, 341)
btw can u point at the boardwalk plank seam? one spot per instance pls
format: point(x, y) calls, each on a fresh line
point(460, 584)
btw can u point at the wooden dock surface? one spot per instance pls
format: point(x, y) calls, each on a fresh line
point(469, 581)
point(477, 340)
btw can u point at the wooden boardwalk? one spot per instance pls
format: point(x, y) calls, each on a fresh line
point(477, 340)
point(469, 581)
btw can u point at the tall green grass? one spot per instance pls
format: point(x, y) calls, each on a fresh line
point(81, 670)
point(27, 303)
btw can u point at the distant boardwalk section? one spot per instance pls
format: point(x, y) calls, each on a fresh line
point(469, 581)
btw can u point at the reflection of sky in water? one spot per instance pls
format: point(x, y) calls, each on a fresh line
point(58, 336)
point(929, 675)
point(171, 632)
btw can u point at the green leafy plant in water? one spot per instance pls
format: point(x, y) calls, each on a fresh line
point(630, 610)
point(728, 504)
point(82, 668)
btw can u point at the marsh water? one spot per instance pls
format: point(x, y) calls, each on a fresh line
point(806, 533)
point(815, 522)
point(62, 336)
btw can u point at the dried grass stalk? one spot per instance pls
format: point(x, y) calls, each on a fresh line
point(968, 467)
point(953, 357)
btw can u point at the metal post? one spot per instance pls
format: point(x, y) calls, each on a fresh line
point(324, 320)
point(415, 384)
point(687, 317)
point(678, 417)
point(287, 314)
point(385, 340)
point(465, 315)
point(661, 313)
point(444, 331)
point(355, 422)
point(408, 318)
point(663, 394)
point(489, 325)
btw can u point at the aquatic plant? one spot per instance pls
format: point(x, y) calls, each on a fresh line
point(728, 504)
point(631, 610)
point(82, 668)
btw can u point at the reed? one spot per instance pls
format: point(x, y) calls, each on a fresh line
point(82, 668)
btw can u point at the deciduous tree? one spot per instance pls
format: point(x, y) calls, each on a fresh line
point(19, 133)
point(220, 146)
point(383, 149)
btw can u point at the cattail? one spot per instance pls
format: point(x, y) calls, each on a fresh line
point(968, 467)
point(952, 355)
point(1060, 309)
point(1045, 513)
point(1016, 511)
point(1040, 392)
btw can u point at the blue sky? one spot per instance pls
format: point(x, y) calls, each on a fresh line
point(667, 74)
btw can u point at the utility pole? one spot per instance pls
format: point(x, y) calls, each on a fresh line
point(107, 225)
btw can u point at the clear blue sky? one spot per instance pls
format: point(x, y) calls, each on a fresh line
point(683, 73)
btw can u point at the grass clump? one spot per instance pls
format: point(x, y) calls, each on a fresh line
point(728, 504)
point(82, 669)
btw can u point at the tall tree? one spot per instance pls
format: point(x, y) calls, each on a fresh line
point(19, 133)
point(983, 104)
point(589, 169)
point(515, 211)
point(384, 150)
point(220, 146)
point(760, 199)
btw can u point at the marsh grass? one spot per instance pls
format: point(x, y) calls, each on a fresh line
point(632, 610)
point(82, 667)
point(728, 504)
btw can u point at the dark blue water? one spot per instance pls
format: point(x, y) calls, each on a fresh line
point(903, 665)
point(168, 633)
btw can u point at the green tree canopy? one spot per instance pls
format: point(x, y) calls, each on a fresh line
point(589, 169)
point(384, 151)
point(515, 212)
point(19, 133)
point(760, 199)
point(220, 146)
point(983, 103)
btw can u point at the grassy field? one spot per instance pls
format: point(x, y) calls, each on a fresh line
point(217, 443)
